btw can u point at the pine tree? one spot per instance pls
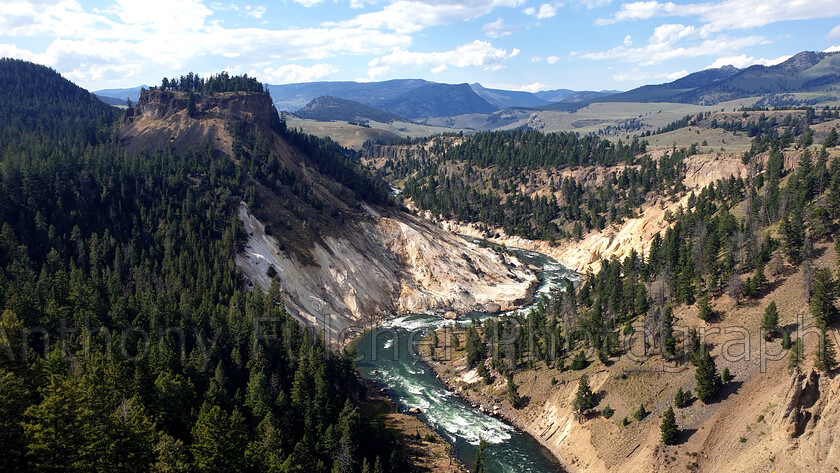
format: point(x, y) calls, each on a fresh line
point(512, 393)
point(680, 400)
point(823, 295)
point(830, 140)
point(826, 356)
point(579, 361)
point(669, 342)
point(640, 413)
point(584, 399)
point(191, 111)
point(705, 311)
point(476, 349)
point(786, 339)
point(669, 427)
point(478, 464)
point(770, 321)
point(793, 236)
point(708, 380)
point(795, 355)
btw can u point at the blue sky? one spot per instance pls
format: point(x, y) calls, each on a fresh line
point(513, 44)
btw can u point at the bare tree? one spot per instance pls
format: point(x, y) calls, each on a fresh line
point(735, 288)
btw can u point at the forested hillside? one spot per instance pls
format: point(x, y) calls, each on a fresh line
point(487, 179)
point(128, 342)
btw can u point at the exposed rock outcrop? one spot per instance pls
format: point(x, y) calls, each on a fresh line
point(383, 266)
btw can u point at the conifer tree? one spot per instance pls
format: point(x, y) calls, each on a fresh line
point(584, 399)
point(708, 380)
point(478, 464)
point(512, 393)
point(770, 321)
point(640, 413)
point(705, 311)
point(795, 355)
point(669, 342)
point(669, 427)
point(824, 292)
point(786, 339)
point(680, 400)
point(826, 356)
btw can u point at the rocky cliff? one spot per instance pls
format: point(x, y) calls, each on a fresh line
point(340, 262)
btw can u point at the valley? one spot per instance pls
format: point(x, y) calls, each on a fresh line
point(417, 276)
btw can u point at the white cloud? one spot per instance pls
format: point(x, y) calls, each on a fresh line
point(498, 28)
point(552, 59)
point(835, 32)
point(292, 73)
point(545, 11)
point(536, 59)
point(247, 10)
point(590, 4)
point(101, 48)
point(308, 3)
point(636, 75)
point(729, 14)
point(676, 41)
point(742, 61)
point(476, 54)
point(833, 49)
point(535, 87)
point(439, 69)
point(628, 40)
point(411, 16)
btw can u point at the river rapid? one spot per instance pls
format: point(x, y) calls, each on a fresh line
point(387, 355)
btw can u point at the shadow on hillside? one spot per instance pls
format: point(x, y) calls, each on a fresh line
point(684, 435)
point(729, 389)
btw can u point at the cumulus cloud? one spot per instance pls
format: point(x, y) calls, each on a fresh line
point(676, 41)
point(247, 10)
point(411, 16)
point(292, 73)
point(590, 4)
point(476, 54)
point(498, 28)
point(741, 61)
point(833, 49)
point(636, 75)
point(544, 11)
point(552, 59)
point(535, 87)
point(729, 14)
point(835, 32)
point(100, 47)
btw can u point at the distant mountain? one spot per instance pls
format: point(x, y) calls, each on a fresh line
point(502, 99)
point(805, 72)
point(409, 98)
point(437, 100)
point(584, 95)
point(669, 92)
point(570, 96)
point(111, 100)
point(328, 108)
point(121, 95)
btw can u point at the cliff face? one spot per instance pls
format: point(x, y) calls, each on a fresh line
point(160, 116)
point(341, 264)
point(382, 266)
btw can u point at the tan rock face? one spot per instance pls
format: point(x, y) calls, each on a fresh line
point(381, 267)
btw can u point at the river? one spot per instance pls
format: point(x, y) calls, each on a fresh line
point(387, 356)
